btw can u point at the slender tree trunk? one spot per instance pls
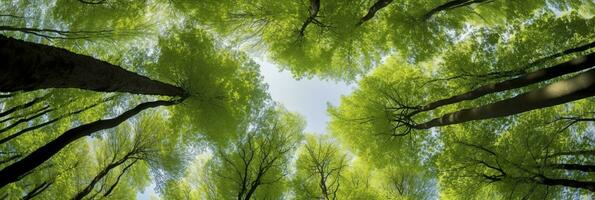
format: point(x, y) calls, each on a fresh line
point(451, 5)
point(22, 106)
point(111, 188)
point(29, 66)
point(16, 170)
point(380, 4)
point(575, 88)
point(572, 66)
point(37, 190)
point(80, 195)
point(578, 167)
point(568, 183)
point(23, 120)
point(35, 127)
point(251, 191)
point(518, 72)
point(314, 8)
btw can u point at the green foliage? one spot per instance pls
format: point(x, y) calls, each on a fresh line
point(229, 136)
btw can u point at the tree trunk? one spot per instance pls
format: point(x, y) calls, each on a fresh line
point(572, 66)
point(16, 170)
point(29, 66)
point(22, 106)
point(80, 195)
point(575, 88)
point(111, 188)
point(451, 5)
point(35, 127)
point(568, 183)
point(380, 4)
point(314, 8)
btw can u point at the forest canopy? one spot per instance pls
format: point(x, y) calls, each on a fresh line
point(452, 99)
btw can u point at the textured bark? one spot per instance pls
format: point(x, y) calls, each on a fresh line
point(572, 66)
point(451, 5)
point(575, 88)
point(380, 4)
point(29, 66)
point(16, 170)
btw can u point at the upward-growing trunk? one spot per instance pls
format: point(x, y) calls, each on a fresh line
point(575, 88)
point(16, 170)
point(572, 66)
point(451, 5)
point(29, 66)
point(100, 176)
point(579, 167)
point(314, 8)
point(380, 4)
point(568, 183)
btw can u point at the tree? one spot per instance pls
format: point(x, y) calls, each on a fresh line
point(521, 162)
point(17, 170)
point(123, 152)
point(256, 165)
point(320, 169)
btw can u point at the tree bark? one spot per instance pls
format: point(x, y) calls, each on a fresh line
point(380, 4)
point(575, 88)
point(29, 66)
point(16, 170)
point(451, 5)
point(572, 66)
point(568, 183)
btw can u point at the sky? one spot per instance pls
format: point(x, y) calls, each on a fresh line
point(308, 97)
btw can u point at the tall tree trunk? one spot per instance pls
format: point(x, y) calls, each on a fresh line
point(29, 66)
point(568, 183)
point(451, 5)
point(380, 4)
point(572, 66)
point(16, 170)
point(575, 88)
